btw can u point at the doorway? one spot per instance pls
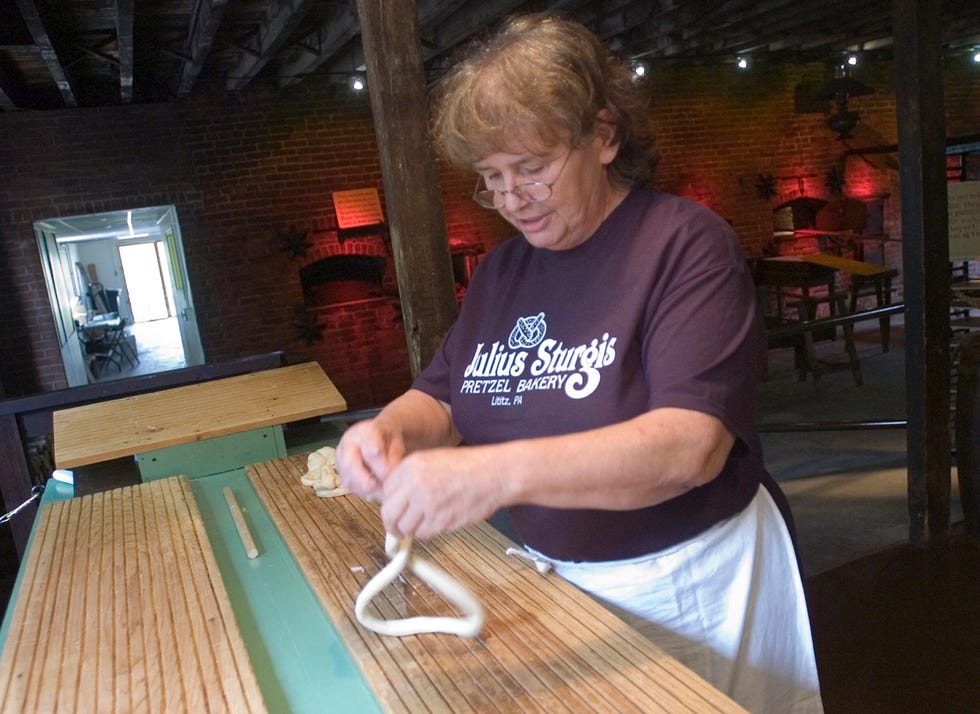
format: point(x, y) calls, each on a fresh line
point(146, 273)
point(137, 256)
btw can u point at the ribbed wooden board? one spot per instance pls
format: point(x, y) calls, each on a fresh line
point(122, 609)
point(545, 647)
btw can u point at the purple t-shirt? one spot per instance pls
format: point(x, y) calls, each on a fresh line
point(656, 309)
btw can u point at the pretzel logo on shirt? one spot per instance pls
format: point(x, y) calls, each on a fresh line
point(528, 332)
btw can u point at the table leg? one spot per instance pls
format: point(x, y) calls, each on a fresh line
point(885, 323)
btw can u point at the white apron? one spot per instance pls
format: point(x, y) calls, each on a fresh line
point(728, 604)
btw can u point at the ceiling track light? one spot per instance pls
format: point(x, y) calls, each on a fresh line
point(639, 69)
point(742, 62)
point(357, 83)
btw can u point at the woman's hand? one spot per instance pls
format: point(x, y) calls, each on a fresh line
point(371, 449)
point(366, 454)
point(439, 490)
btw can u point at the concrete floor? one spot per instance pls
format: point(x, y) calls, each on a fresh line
point(158, 347)
point(847, 489)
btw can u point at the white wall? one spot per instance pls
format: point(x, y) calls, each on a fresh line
point(104, 255)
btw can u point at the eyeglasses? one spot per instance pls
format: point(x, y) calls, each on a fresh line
point(533, 192)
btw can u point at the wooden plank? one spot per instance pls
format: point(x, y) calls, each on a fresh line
point(32, 17)
point(546, 646)
point(23, 418)
point(122, 608)
point(47, 402)
point(144, 422)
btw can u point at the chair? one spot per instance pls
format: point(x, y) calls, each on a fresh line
point(97, 352)
point(117, 339)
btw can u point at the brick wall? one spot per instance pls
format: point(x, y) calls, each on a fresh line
point(243, 173)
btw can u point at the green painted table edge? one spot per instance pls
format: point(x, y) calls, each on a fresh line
point(54, 491)
point(214, 455)
point(300, 662)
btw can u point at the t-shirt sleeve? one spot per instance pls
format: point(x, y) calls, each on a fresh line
point(434, 379)
point(703, 345)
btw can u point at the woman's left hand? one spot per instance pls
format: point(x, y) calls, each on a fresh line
point(438, 490)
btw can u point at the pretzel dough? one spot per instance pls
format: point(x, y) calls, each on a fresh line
point(321, 473)
point(400, 553)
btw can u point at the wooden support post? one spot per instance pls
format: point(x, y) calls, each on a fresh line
point(399, 101)
point(968, 433)
point(925, 249)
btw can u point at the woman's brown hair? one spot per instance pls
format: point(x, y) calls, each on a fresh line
point(542, 80)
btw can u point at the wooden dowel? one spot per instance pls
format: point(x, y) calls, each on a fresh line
point(243, 532)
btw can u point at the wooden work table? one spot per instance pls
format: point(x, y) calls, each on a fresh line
point(145, 422)
point(277, 632)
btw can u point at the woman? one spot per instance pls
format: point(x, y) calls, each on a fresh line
point(602, 375)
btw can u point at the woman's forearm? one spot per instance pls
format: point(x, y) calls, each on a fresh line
point(423, 421)
point(644, 461)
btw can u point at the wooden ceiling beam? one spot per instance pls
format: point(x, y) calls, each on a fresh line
point(461, 26)
point(433, 17)
point(32, 18)
point(6, 103)
point(282, 17)
point(435, 12)
point(124, 48)
point(108, 59)
point(331, 37)
point(201, 31)
point(11, 85)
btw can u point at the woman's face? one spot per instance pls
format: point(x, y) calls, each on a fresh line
point(581, 193)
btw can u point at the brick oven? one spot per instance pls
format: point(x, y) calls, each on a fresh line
point(351, 315)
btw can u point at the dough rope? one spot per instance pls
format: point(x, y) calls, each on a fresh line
point(401, 557)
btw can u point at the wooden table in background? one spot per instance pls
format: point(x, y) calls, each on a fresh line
point(796, 273)
point(866, 279)
point(146, 422)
